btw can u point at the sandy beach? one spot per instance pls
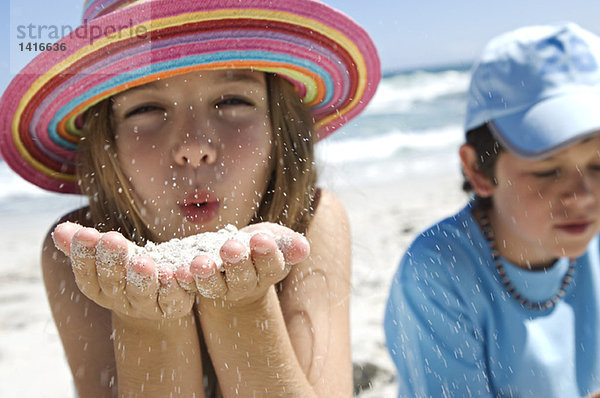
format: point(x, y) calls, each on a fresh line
point(31, 358)
point(384, 219)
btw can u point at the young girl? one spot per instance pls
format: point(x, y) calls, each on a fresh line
point(503, 298)
point(177, 118)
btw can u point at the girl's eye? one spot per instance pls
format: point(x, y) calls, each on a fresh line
point(595, 167)
point(233, 101)
point(142, 109)
point(546, 173)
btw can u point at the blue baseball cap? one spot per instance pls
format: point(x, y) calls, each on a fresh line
point(538, 88)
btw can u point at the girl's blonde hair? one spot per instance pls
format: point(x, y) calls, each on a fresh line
point(290, 193)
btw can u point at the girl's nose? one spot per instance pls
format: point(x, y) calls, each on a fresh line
point(195, 152)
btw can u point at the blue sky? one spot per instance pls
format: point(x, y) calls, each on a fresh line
point(407, 33)
point(437, 32)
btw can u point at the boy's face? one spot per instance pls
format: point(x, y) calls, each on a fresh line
point(196, 149)
point(547, 208)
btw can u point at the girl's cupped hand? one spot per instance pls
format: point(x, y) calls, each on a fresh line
point(247, 273)
point(107, 274)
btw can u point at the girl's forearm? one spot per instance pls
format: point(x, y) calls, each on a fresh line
point(158, 358)
point(251, 350)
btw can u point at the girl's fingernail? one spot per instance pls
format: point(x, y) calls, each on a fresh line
point(80, 250)
point(236, 258)
point(109, 255)
point(203, 268)
point(165, 276)
point(137, 272)
point(262, 250)
point(206, 270)
point(284, 243)
point(262, 243)
point(183, 274)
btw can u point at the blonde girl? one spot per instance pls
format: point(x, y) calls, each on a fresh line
point(177, 118)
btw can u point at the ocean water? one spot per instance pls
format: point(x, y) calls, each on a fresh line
point(412, 127)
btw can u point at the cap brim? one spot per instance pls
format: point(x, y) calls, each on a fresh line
point(550, 125)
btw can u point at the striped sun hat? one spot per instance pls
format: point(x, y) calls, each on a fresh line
point(125, 43)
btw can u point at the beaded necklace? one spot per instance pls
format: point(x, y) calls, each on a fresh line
point(488, 232)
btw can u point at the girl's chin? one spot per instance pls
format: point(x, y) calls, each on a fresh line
point(181, 226)
point(179, 229)
point(190, 229)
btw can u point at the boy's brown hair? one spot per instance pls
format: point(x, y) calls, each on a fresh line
point(487, 149)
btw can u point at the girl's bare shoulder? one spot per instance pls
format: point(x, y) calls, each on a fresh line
point(329, 234)
point(330, 216)
point(79, 216)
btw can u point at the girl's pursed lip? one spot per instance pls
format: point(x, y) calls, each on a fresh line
point(198, 197)
point(199, 207)
point(198, 213)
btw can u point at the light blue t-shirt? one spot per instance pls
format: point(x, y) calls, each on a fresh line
point(453, 330)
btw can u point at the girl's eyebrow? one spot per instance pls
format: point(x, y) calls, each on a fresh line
point(240, 76)
point(150, 86)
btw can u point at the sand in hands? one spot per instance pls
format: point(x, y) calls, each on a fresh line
point(180, 252)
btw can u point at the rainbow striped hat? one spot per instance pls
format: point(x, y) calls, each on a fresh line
point(125, 43)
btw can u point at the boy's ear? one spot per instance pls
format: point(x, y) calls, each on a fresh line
point(482, 185)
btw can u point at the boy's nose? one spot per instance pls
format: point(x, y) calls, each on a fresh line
point(195, 152)
point(580, 192)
